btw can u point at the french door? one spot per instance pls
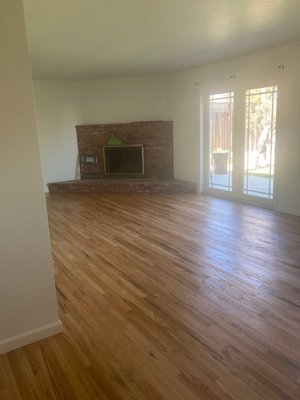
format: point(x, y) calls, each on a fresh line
point(241, 136)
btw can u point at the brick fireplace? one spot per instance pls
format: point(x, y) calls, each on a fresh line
point(156, 137)
point(156, 175)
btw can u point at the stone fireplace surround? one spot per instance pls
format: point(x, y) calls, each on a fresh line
point(155, 136)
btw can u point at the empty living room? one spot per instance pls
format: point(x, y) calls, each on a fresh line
point(150, 200)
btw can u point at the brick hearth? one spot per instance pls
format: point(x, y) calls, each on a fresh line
point(123, 186)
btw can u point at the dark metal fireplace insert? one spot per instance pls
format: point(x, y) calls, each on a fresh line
point(125, 161)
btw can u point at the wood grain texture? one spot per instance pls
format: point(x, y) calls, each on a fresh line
point(166, 297)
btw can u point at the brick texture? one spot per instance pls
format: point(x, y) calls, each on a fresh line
point(123, 186)
point(156, 136)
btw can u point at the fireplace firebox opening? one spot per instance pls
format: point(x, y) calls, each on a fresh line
point(124, 161)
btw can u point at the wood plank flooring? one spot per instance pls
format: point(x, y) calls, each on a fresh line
point(166, 297)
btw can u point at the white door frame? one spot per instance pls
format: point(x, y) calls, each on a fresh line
point(238, 141)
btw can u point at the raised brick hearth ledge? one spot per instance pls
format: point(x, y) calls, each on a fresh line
point(123, 186)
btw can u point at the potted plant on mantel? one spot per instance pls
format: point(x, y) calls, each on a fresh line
point(220, 159)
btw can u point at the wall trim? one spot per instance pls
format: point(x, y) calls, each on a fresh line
point(31, 336)
point(289, 211)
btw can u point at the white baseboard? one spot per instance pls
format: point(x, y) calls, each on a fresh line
point(287, 211)
point(31, 336)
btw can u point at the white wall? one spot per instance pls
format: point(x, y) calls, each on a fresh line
point(125, 100)
point(62, 105)
point(59, 109)
point(28, 309)
point(184, 110)
point(289, 135)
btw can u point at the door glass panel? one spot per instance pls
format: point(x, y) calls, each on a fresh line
point(260, 130)
point(220, 144)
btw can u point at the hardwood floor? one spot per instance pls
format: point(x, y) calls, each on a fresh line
point(166, 297)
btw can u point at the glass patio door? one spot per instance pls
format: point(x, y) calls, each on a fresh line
point(220, 141)
point(260, 135)
point(241, 143)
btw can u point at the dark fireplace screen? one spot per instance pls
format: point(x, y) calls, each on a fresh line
point(124, 161)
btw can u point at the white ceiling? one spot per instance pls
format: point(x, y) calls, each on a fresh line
point(88, 39)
